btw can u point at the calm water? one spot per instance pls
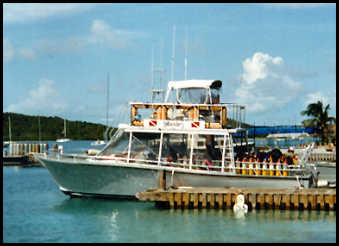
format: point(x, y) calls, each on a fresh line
point(34, 210)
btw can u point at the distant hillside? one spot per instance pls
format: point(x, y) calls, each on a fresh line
point(26, 127)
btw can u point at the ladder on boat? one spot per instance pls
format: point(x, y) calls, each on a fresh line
point(228, 156)
point(306, 154)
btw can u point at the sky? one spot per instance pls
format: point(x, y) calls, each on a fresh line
point(272, 58)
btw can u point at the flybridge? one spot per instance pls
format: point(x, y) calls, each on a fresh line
point(168, 115)
point(194, 104)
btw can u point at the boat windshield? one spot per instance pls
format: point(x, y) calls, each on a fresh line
point(192, 95)
point(215, 94)
point(142, 145)
point(116, 147)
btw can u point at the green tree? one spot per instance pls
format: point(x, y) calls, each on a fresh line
point(319, 119)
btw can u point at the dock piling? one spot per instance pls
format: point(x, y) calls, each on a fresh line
point(255, 198)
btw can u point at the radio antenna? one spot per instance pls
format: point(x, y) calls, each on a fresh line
point(173, 55)
point(107, 109)
point(152, 68)
point(157, 89)
point(186, 54)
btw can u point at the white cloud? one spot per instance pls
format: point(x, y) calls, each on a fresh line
point(99, 33)
point(333, 66)
point(11, 52)
point(329, 98)
point(8, 50)
point(265, 84)
point(27, 53)
point(103, 33)
point(314, 97)
point(52, 47)
point(260, 66)
point(26, 12)
point(44, 99)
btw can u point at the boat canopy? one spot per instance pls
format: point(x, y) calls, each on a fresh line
point(194, 83)
point(194, 91)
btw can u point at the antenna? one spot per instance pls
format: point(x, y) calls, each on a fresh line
point(158, 91)
point(152, 71)
point(173, 54)
point(186, 54)
point(9, 129)
point(107, 93)
point(161, 70)
point(39, 128)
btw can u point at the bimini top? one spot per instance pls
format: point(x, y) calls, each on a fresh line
point(194, 83)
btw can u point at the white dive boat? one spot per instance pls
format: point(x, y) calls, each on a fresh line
point(65, 139)
point(188, 140)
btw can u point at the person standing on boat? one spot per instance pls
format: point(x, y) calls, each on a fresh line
point(251, 165)
point(257, 166)
point(271, 166)
point(244, 165)
point(264, 167)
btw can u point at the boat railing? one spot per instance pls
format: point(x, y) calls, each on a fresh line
point(240, 167)
point(212, 116)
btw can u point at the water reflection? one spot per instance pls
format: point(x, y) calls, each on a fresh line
point(114, 228)
point(129, 221)
point(100, 217)
point(262, 215)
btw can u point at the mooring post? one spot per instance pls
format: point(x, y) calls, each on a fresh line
point(162, 180)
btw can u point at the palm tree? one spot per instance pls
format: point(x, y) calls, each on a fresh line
point(320, 119)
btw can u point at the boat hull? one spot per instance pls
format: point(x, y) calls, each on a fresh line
point(239, 181)
point(83, 178)
point(327, 171)
point(100, 180)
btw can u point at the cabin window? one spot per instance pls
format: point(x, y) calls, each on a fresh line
point(175, 150)
point(207, 152)
point(201, 143)
point(145, 147)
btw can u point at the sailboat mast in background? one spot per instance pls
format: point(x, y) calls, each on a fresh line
point(107, 93)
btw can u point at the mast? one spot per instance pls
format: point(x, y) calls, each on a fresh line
point(65, 127)
point(39, 128)
point(173, 55)
point(9, 129)
point(152, 71)
point(160, 70)
point(107, 94)
point(186, 55)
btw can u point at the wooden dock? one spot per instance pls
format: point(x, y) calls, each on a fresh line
point(327, 156)
point(27, 160)
point(255, 198)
